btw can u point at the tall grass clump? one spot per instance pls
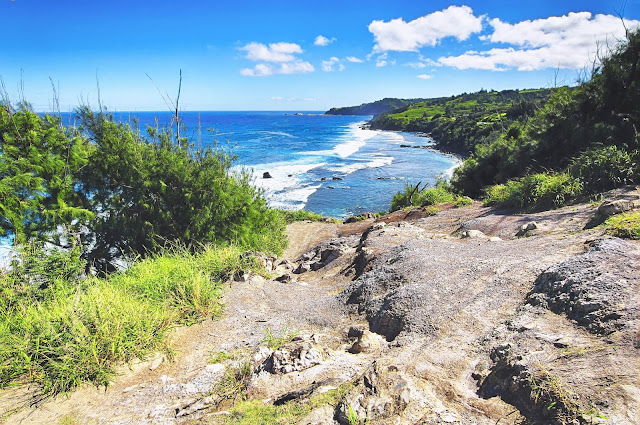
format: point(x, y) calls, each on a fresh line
point(61, 331)
point(535, 191)
point(439, 194)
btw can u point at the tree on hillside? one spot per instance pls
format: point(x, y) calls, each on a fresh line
point(38, 164)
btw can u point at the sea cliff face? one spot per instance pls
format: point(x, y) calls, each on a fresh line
point(458, 316)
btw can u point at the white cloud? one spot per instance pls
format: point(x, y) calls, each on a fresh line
point(428, 30)
point(260, 70)
point(295, 68)
point(327, 65)
point(423, 63)
point(354, 59)
point(281, 58)
point(424, 76)
point(275, 52)
point(381, 60)
point(571, 41)
point(264, 70)
point(324, 41)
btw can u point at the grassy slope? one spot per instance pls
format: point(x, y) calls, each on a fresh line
point(460, 122)
point(60, 331)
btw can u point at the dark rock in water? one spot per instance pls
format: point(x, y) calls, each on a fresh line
point(323, 179)
point(266, 175)
point(289, 175)
point(336, 178)
point(330, 187)
point(405, 146)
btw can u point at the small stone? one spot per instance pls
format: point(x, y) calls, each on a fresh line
point(285, 278)
point(156, 363)
point(302, 268)
point(527, 227)
point(266, 175)
point(473, 234)
point(129, 389)
point(368, 341)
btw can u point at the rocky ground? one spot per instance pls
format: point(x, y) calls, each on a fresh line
point(462, 316)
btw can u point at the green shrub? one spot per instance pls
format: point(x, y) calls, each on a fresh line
point(626, 225)
point(535, 191)
point(605, 167)
point(439, 194)
point(76, 330)
point(462, 201)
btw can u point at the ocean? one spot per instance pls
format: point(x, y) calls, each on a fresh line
point(329, 164)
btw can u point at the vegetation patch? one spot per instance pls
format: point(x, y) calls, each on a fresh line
point(253, 412)
point(60, 330)
point(535, 192)
point(414, 196)
point(275, 342)
point(625, 225)
point(300, 215)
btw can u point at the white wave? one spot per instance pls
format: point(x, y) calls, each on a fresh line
point(362, 164)
point(277, 133)
point(294, 199)
point(355, 139)
point(456, 163)
point(288, 187)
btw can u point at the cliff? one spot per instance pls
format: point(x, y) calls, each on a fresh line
point(431, 316)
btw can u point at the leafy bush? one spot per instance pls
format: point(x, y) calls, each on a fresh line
point(605, 167)
point(148, 192)
point(38, 162)
point(76, 330)
point(590, 131)
point(535, 191)
point(626, 225)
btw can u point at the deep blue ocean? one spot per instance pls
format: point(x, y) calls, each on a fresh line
point(328, 164)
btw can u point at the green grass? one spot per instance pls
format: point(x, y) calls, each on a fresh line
point(535, 192)
point(439, 194)
point(275, 342)
point(300, 215)
point(626, 225)
point(72, 331)
point(257, 412)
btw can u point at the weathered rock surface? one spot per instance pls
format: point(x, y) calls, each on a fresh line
point(599, 289)
point(412, 325)
point(292, 357)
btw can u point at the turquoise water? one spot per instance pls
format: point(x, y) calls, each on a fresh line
point(326, 164)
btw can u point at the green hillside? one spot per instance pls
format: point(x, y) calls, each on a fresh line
point(458, 123)
point(374, 108)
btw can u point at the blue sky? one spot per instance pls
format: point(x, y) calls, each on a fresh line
point(295, 55)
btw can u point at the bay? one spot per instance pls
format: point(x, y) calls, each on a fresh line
point(329, 164)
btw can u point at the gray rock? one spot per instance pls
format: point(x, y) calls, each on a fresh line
point(292, 357)
point(597, 289)
point(321, 255)
point(367, 342)
point(609, 208)
point(527, 227)
point(472, 234)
